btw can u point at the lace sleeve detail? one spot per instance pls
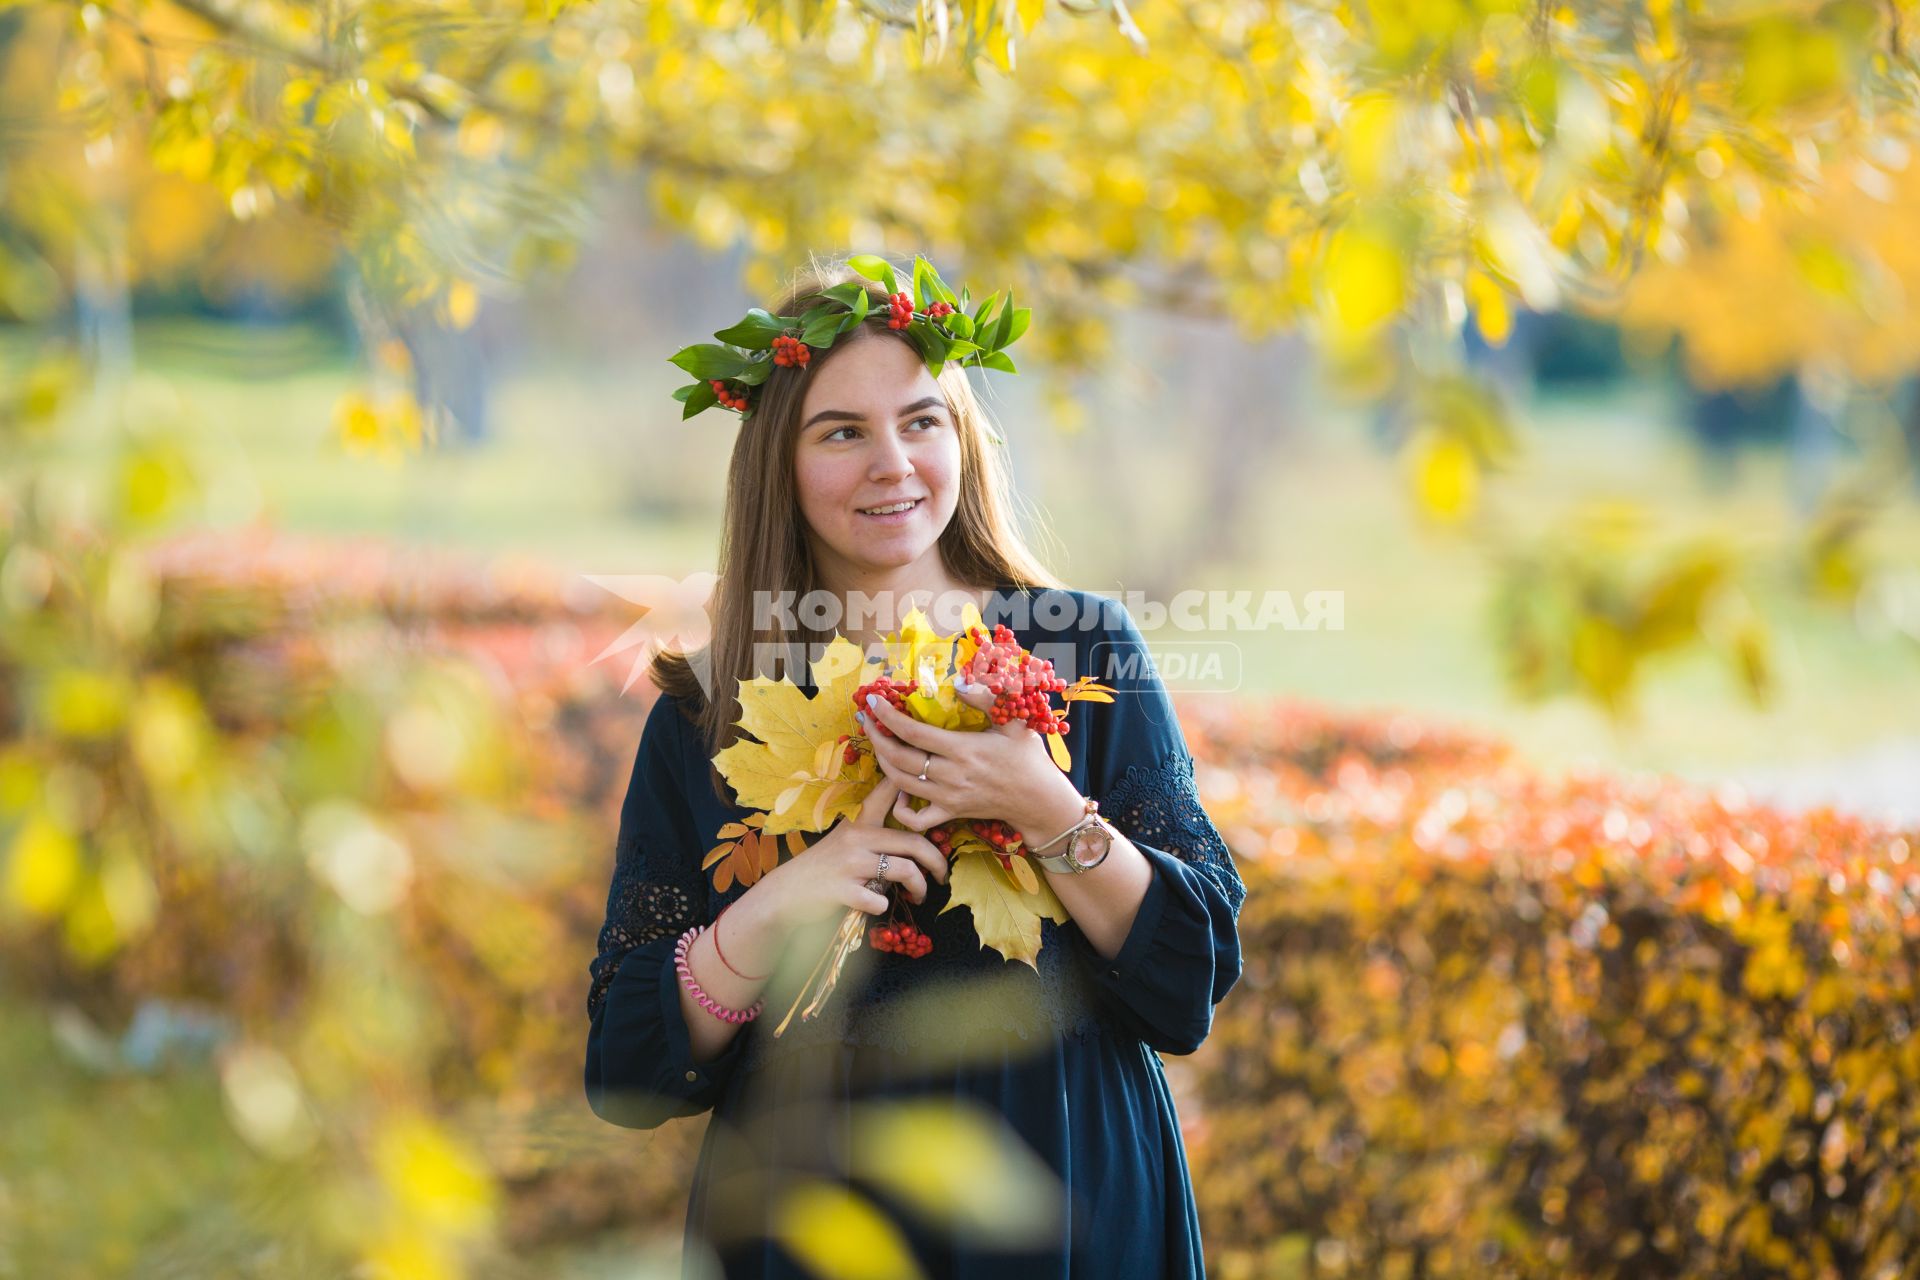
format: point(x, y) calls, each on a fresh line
point(657, 887)
point(1159, 804)
point(639, 911)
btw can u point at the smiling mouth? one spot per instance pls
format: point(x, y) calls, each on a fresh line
point(891, 508)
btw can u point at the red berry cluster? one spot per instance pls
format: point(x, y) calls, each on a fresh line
point(894, 691)
point(904, 938)
point(789, 351)
point(901, 304)
point(1006, 840)
point(939, 309)
point(1002, 836)
point(728, 398)
point(1020, 681)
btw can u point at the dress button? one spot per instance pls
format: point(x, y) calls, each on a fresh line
point(1114, 972)
point(693, 1075)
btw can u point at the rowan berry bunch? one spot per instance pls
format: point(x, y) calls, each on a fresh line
point(1003, 838)
point(899, 934)
point(729, 399)
point(900, 307)
point(904, 938)
point(1001, 835)
point(790, 352)
point(1020, 682)
point(894, 691)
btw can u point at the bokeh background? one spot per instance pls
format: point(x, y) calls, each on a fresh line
point(1574, 350)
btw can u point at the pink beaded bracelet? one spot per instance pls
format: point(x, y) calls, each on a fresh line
point(707, 1002)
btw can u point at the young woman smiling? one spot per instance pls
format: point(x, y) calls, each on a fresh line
point(860, 476)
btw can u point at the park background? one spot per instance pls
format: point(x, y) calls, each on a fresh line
point(1581, 932)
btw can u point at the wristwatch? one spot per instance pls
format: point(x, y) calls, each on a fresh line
point(1065, 863)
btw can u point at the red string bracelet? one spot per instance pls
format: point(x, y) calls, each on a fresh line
point(715, 931)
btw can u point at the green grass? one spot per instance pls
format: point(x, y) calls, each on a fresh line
point(591, 472)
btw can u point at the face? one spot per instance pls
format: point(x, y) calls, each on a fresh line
point(876, 431)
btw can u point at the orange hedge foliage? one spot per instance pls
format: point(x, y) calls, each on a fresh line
point(1494, 1024)
point(1491, 1024)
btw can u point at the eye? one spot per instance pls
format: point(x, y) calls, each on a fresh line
point(933, 421)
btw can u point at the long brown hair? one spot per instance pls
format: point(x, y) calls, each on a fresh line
point(763, 542)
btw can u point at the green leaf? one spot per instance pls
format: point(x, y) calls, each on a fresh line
point(941, 293)
point(756, 373)
point(960, 349)
point(699, 397)
point(874, 268)
point(845, 294)
point(959, 325)
point(1020, 317)
point(999, 338)
point(756, 332)
point(860, 304)
point(706, 360)
point(984, 316)
point(848, 323)
point(821, 329)
point(937, 345)
point(998, 360)
point(921, 269)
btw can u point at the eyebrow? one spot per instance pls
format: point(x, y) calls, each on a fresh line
point(847, 415)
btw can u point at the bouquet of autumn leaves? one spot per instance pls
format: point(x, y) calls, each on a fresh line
point(809, 764)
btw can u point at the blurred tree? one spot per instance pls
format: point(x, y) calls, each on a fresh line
point(1352, 172)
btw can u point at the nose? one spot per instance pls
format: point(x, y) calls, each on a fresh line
point(889, 460)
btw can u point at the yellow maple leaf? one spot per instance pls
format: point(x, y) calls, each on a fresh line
point(789, 772)
point(916, 651)
point(1006, 917)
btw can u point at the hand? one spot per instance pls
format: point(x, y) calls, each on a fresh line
point(1004, 771)
point(832, 873)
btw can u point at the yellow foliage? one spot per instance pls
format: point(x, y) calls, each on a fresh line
point(81, 703)
point(1006, 912)
point(388, 431)
point(43, 867)
point(986, 1182)
point(1446, 477)
point(785, 772)
point(436, 1181)
point(839, 1234)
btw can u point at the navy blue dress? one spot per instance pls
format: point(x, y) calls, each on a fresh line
point(1068, 1054)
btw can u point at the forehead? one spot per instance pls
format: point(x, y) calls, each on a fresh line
point(875, 372)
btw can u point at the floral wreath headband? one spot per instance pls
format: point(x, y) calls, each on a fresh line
point(933, 319)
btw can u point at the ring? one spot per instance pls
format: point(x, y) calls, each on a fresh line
point(928, 765)
point(879, 882)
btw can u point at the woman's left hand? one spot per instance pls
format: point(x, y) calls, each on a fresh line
point(1003, 771)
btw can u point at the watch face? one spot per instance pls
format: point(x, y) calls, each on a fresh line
point(1101, 841)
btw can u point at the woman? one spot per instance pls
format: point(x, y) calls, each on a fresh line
point(1065, 1050)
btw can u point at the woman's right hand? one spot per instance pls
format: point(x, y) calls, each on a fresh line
point(831, 874)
